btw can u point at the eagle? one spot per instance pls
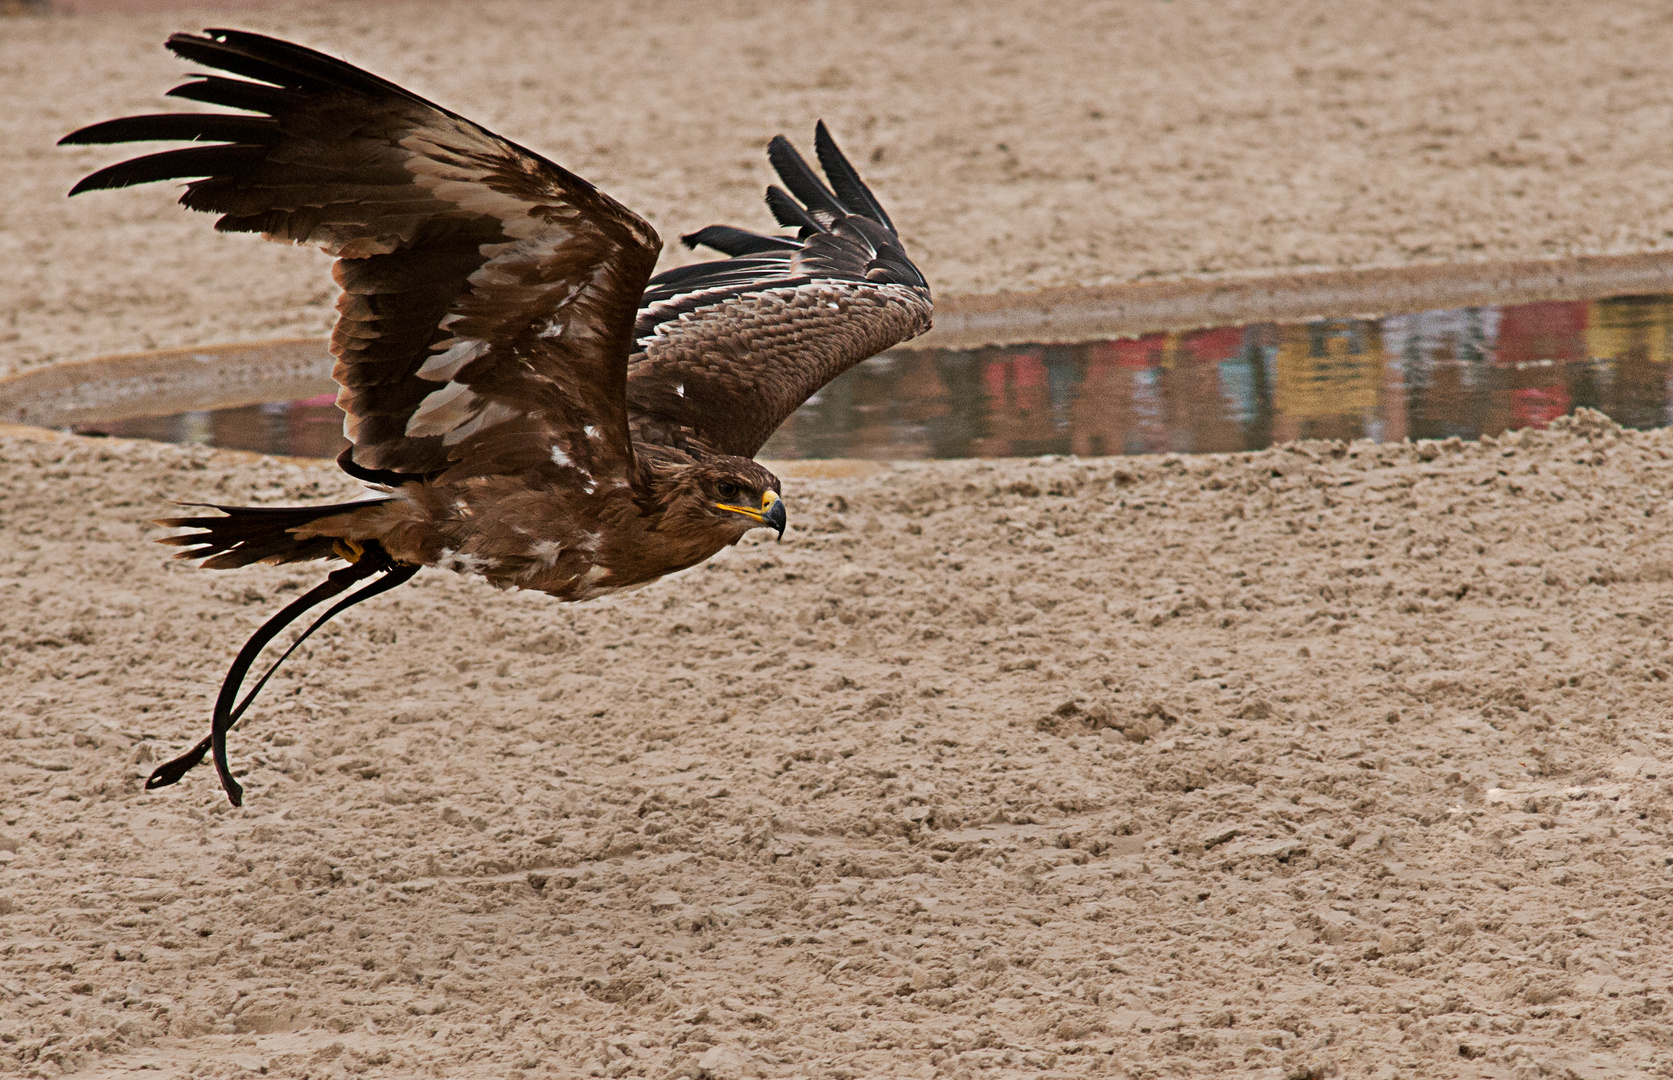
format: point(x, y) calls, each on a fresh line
point(527, 402)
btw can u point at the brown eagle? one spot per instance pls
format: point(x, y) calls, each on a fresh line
point(530, 403)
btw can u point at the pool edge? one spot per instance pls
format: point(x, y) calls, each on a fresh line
point(161, 382)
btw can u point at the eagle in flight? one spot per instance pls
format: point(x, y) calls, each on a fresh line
point(530, 403)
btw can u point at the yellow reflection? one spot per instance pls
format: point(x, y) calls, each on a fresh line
point(1630, 328)
point(1330, 368)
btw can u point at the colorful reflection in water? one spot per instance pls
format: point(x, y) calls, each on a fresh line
point(1464, 372)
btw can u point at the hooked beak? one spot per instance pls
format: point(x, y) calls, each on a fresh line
point(771, 514)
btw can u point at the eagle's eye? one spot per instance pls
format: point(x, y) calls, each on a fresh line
point(727, 491)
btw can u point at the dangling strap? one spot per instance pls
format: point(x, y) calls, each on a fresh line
point(225, 715)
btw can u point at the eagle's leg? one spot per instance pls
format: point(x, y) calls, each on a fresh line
point(367, 562)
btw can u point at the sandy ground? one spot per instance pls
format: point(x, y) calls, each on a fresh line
point(1019, 145)
point(1327, 760)
point(1323, 761)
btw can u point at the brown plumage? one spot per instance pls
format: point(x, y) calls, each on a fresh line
point(532, 405)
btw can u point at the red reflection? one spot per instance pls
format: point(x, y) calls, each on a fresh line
point(1536, 343)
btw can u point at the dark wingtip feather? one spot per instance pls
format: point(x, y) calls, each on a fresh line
point(845, 179)
point(282, 63)
point(104, 180)
point(731, 241)
point(233, 94)
point(789, 213)
point(211, 51)
point(194, 161)
point(802, 181)
point(172, 127)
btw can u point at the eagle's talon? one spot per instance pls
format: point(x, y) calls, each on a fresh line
point(348, 550)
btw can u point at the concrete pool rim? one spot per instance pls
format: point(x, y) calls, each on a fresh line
point(162, 382)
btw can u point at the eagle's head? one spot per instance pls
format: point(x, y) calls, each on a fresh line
point(721, 497)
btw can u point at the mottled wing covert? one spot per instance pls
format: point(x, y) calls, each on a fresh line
point(488, 294)
point(725, 351)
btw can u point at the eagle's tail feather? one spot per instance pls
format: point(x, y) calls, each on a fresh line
point(249, 534)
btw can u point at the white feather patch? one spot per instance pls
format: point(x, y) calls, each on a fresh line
point(442, 411)
point(439, 164)
point(560, 324)
point(462, 563)
point(444, 365)
point(494, 412)
point(561, 458)
point(588, 586)
point(455, 413)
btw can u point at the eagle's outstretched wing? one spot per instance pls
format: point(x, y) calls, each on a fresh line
point(488, 294)
point(726, 351)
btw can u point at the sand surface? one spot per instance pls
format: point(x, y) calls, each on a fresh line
point(1326, 760)
point(1322, 761)
point(1018, 145)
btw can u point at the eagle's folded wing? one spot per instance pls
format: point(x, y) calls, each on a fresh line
point(725, 351)
point(488, 294)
